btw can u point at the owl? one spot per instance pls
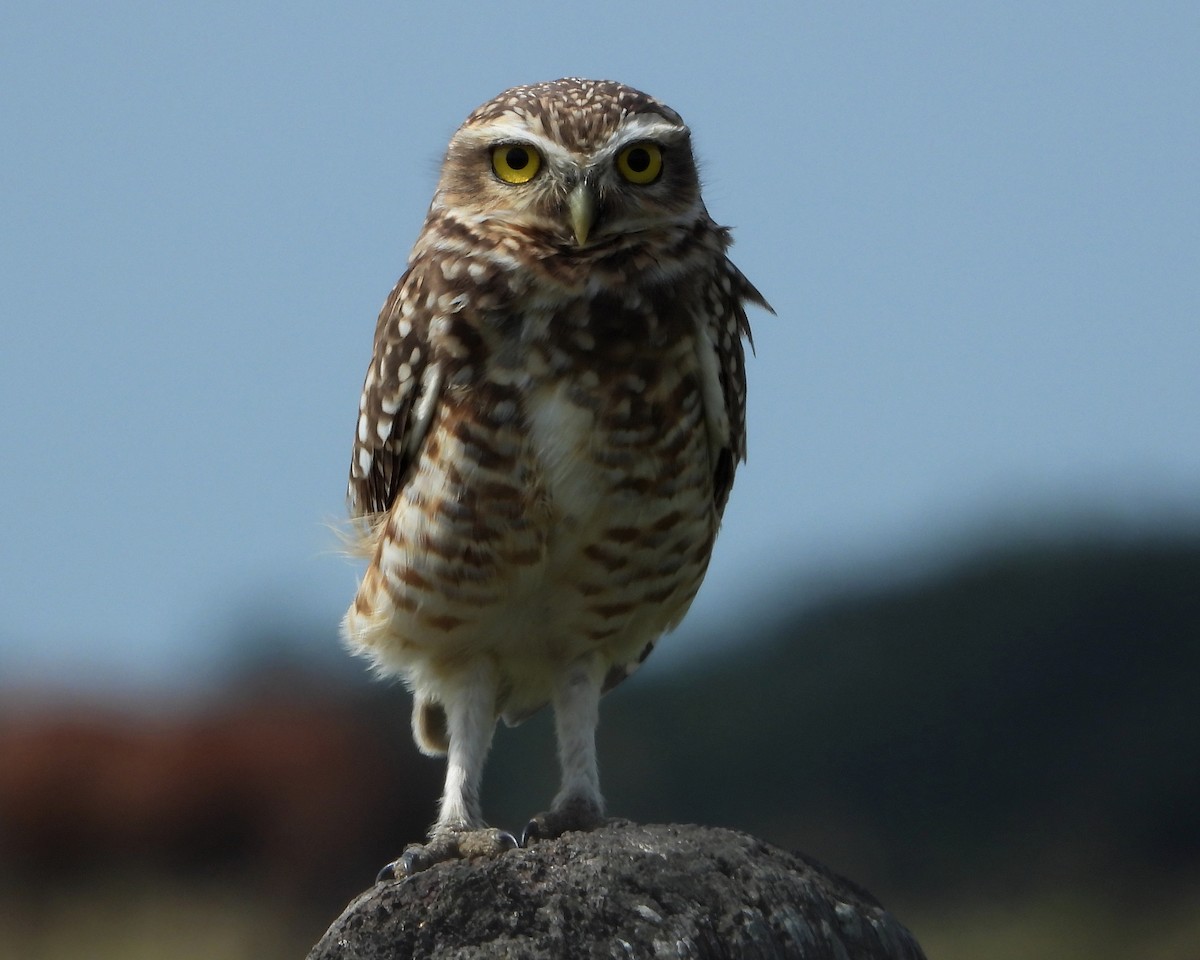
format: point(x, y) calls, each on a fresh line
point(547, 435)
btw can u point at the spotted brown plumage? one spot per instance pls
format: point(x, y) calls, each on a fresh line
point(548, 432)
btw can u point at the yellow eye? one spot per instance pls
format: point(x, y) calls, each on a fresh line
point(515, 162)
point(640, 163)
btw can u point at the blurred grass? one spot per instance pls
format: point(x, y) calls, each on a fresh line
point(1051, 922)
point(151, 918)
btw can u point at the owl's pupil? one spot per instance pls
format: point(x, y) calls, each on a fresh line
point(517, 158)
point(638, 160)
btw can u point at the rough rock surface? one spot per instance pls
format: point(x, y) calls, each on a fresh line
point(623, 891)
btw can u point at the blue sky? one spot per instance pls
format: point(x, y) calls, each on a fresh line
point(979, 224)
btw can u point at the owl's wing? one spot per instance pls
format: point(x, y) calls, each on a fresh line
point(398, 398)
point(725, 357)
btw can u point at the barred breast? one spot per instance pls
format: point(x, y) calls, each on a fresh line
point(562, 502)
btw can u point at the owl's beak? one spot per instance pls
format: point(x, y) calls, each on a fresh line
point(582, 205)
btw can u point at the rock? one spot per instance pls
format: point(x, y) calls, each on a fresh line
point(623, 891)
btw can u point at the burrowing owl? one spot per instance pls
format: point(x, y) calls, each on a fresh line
point(547, 434)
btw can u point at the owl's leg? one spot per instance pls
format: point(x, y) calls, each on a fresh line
point(460, 832)
point(578, 805)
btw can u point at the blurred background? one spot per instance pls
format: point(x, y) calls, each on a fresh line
point(950, 639)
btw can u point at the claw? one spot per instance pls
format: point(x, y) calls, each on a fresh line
point(413, 861)
point(531, 833)
point(576, 815)
point(449, 845)
point(387, 873)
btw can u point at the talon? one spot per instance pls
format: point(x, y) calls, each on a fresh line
point(449, 844)
point(570, 816)
point(387, 873)
point(531, 833)
point(413, 862)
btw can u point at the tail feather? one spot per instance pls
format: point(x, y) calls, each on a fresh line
point(429, 727)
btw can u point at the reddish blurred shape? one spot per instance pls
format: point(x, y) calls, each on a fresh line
point(308, 793)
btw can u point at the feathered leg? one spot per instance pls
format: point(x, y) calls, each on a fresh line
point(578, 805)
point(460, 832)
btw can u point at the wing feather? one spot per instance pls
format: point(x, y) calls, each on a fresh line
point(398, 397)
point(723, 361)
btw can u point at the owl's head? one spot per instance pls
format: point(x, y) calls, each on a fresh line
point(579, 165)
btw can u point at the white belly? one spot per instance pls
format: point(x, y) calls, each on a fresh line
point(607, 554)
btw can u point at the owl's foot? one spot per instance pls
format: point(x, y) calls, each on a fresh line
point(448, 845)
point(577, 814)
